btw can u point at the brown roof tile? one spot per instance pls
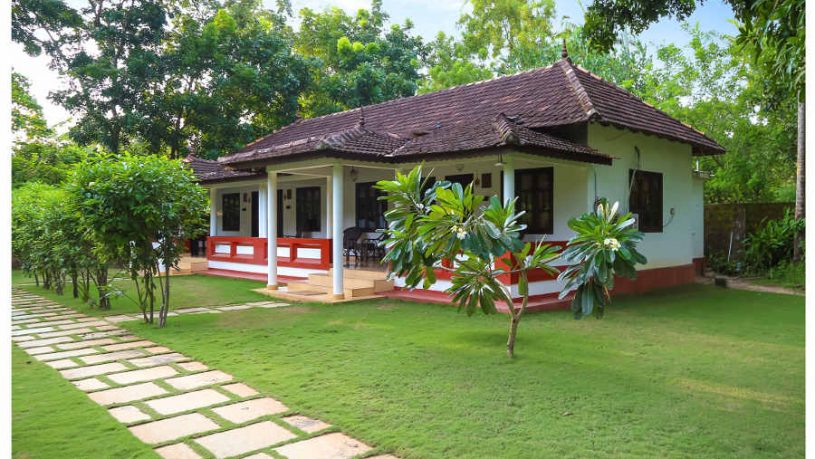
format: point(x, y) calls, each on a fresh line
point(463, 118)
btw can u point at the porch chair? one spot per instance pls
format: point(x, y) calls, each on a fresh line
point(350, 244)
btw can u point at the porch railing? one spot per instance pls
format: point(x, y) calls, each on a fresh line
point(310, 253)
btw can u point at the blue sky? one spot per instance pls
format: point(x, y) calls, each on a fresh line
point(429, 17)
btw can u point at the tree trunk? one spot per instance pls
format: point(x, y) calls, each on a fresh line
point(800, 180)
point(102, 287)
point(165, 297)
point(36, 279)
point(515, 319)
point(75, 283)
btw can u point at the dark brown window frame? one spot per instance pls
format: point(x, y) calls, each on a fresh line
point(231, 212)
point(539, 175)
point(369, 211)
point(313, 208)
point(647, 207)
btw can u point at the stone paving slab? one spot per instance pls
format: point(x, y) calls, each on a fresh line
point(259, 456)
point(177, 451)
point(32, 331)
point(90, 384)
point(65, 333)
point(172, 428)
point(95, 370)
point(128, 414)
point(158, 350)
point(158, 360)
point(86, 343)
point(130, 345)
point(241, 412)
point(306, 424)
point(40, 350)
point(112, 356)
point(82, 324)
point(103, 334)
point(244, 439)
point(334, 445)
point(193, 366)
point(240, 389)
point(148, 374)
point(185, 402)
point(199, 380)
point(127, 393)
point(42, 342)
point(62, 364)
point(64, 354)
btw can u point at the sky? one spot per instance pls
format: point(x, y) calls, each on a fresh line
point(428, 16)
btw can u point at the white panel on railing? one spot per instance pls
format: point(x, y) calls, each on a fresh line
point(283, 252)
point(244, 250)
point(222, 248)
point(308, 253)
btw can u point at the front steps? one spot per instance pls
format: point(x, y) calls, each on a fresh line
point(358, 284)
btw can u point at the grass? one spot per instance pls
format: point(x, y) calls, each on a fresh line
point(788, 275)
point(185, 291)
point(52, 419)
point(692, 372)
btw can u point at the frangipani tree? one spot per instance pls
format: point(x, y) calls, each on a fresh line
point(446, 226)
point(604, 245)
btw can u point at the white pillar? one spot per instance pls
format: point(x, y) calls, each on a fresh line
point(509, 179)
point(271, 226)
point(262, 219)
point(336, 228)
point(213, 212)
point(328, 206)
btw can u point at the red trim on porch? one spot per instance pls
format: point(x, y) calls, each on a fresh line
point(260, 248)
point(536, 275)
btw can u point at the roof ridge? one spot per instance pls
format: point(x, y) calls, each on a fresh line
point(399, 99)
point(639, 99)
point(580, 92)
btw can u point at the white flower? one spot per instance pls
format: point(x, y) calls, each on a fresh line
point(461, 233)
point(611, 243)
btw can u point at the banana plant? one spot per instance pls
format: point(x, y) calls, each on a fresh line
point(604, 246)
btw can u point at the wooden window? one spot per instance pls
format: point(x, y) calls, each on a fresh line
point(645, 199)
point(308, 209)
point(231, 211)
point(486, 180)
point(370, 211)
point(535, 190)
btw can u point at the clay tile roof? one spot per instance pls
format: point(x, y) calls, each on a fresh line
point(207, 170)
point(463, 118)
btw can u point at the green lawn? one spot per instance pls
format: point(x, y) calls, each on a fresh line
point(52, 419)
point(699, 372)
point(788, 275)
point(691, 372)
point(185, 291)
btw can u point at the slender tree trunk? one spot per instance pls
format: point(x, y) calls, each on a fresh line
point(516, 314)
point(165, 298)
point(102, 287)
point(75, 282)
point(36, 279)
point(800, 180)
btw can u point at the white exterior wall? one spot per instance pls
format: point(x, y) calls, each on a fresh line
point(674, 246)
point(698, 216)
point(246, 210)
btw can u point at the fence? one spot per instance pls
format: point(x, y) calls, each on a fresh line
point(726, 225)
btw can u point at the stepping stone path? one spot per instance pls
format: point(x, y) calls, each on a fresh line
point(182, 408)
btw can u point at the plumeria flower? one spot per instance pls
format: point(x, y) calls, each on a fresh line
point(611, 243)
point(460, 232)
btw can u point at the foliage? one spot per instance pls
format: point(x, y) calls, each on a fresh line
point(229, 77)
point(140, 209)
point(604, 246)
point(500, 29)
point(357, 60)
point(772, 243)
point(448, 65)
point(26, 113)
point(30, 16)
point(50, 242)
point(447, 226)
point(786, 274)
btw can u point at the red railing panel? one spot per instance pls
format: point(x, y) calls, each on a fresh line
point(297, 247)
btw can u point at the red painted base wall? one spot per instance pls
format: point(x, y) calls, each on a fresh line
point(647, 280)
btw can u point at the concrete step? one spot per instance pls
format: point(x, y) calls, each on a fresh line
point(306, 287)
point(370, 274)
point(379, 285)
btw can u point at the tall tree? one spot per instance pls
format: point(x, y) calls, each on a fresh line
point(230, 76)
point(28, 17)
point(449, 64)
point(109, 61)
point(357, 59)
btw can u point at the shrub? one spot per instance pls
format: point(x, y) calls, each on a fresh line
point(771, 243)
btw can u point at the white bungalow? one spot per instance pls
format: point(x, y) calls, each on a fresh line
point(558, 138)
